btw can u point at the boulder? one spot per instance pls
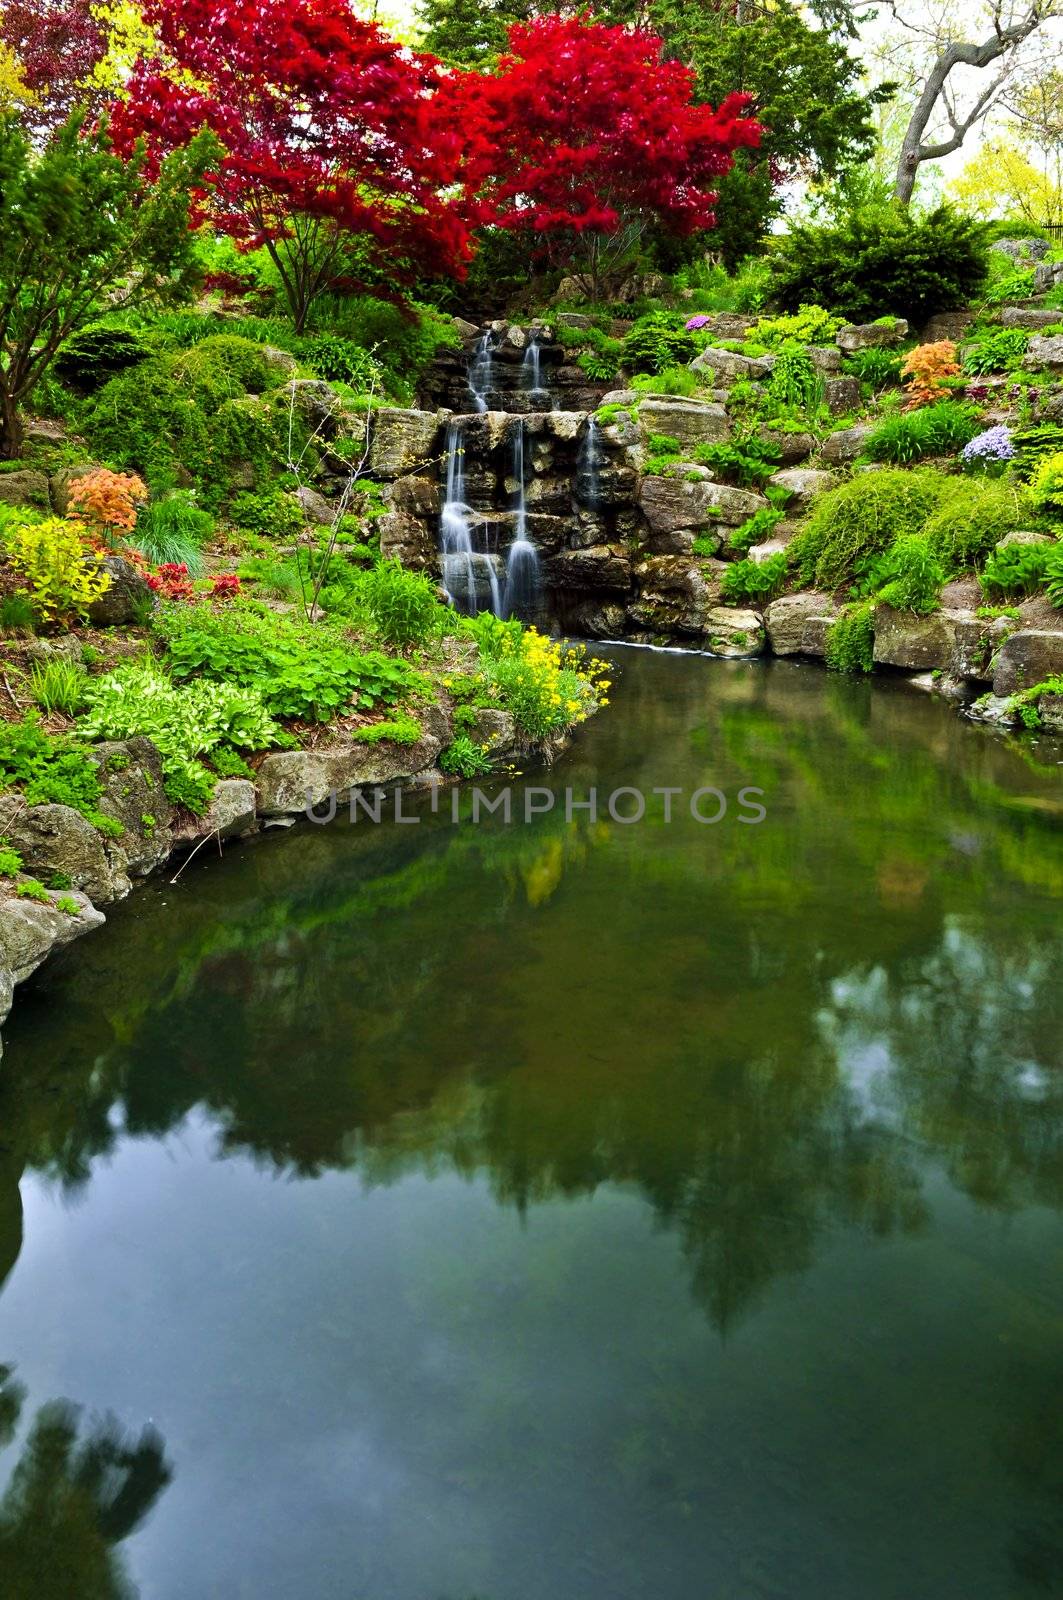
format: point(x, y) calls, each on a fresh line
point(66, 647)
point(315, 507)
point(916, 644)
point(797, 623)
point(31, 930)
point(1047, 275)
point(596, 621)
point(406, 537)
point(842, 396)
point(598, 568)
point(801, 484)
point(791, 447)
point(290, 780)
point(845, 445)
point(1046, 350)
point(1024, 536)
point(467, 330)
point(871, 335)
point(128, 599)
point(403, 441)
point(947, 325)
point(1031, 249)
point(130, 773)
point(826, 358)
point(727, 324)
point(976, 642)
point(1027, 657)
point(563, 425)
point(496, 729)
point(735, 634)
point(56, 839)
point(690, 421)
point(320, 407)
point(25, 488)
point(231, 813)
point(676, 595)
point(1033, 318)
point(1050, 709)
point(417, 493)
point(728, 366)
point(672, 503)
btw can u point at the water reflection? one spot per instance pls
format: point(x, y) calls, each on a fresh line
point(70, 1501)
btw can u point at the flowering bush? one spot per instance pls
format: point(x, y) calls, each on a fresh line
point(989, 451)
point(62, 575)
point(548, 687)
point(108, 501)
point(694, 323)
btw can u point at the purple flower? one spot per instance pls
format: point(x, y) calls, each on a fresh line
point(696, 322)
point(992, 445)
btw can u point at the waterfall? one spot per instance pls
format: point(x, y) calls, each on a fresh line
point(481, 372)
point(522, 564)
point(466, 571)
point(531, 367)
point(588, 465)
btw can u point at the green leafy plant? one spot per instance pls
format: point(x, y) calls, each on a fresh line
point(33, 889)
point(228, 763)
point(760, 526)
point(68, 906)
point(63, 576)
point(909, 576)
point(996, 350)
point(850, 643)
point(395, 730)
point(1015, 570)
point(794, 380)
point(464, 759)
point(171, 530)
point(809, 324)
point(937, 430)
point(752, 580)
point(972, 516)
point(1031, 445)
point(10, 862)
point(404, 606)
point(17, 614)
point(51, 771)
point(271, 514)
point(749, 463)
point(1013, 283)
point(657, 340)
point(877, 366)
point(92, 357)
point(59, 686)
point(670, 380)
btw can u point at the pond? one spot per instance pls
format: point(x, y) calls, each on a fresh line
point(574, 1208)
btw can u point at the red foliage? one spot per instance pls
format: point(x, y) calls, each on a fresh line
point(226, 586)
point(325, 120)
point(171, 581)
point(585, 130)
point(58, 43)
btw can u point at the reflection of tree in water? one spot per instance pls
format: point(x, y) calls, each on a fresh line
point(69, 1502)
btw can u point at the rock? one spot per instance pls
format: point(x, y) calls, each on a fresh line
point(317, 403)
point(917, 644)
point(468, 330)
point(845, 445)
point(31, 930)
point(315, 507)
point(993, 708)
point(792, 447)
point(797, 623)
point(1050, 708)
point(1032, 317)
point(1027, 657)
point(129, 599)
point(801, 484)
point(871, 335)
point(690, 421)
point(281, 363)
point(599, 568)
point(1024, 536)
point(826, 358)
point(25, 488)
point(574, 319)
point(67, 647)
point(728, 324)
point(55, 839)
point(403, 441)
point(406, 538)
point(231, 813)
point(130, 773)
point(728, 366)
point(735, 634)
point(975, 644)
point(759, 553)
point(676, 595)
point(1022, 249)
point(621, 397)
point(60, 484)
point(1046, 350)
point(669, 504)
point(496, 729)
point(289, 780)
point(563, 425)
point(947, 325)
point(418, 494)
point(596, 621)
point(1047, 275)
point(842, 396)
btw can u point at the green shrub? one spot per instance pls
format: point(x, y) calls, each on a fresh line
point(883, 259)
point(760, 526)
point(229, 763)
point(1017, 570)
point(749, 463)
point(464, 759)
point(671, 380)
point(1054, 574)
point(808, 325)
point(971, 517)
point(342, 361)
point(184, 721)
point(1046, 484)
point(33, 889)
point(93, 357)
point(1031, 445)
point(59, 686)
point(404, 338)
point(271, 514)
point(909, 576)
point(937, 430)
point(850, 644)
point(877, 367)
point(861, 518)
point(10, 863)
point(998, 350)
point(171, 530)
point(302, 670)
point(404, 606)
point(656, 341)
point(396, 730)
point(794, 380)
point(1010, 283)
point(51, 771)
point(752, 580)
point(68, 905)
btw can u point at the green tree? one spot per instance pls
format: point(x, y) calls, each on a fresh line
point(806, 90)
point(80, 227)
point(469, 33)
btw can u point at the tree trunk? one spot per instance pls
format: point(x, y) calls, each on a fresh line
point(11, 432)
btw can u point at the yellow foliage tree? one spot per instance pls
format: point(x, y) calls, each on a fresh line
point(1002, 181)
point(14, 91)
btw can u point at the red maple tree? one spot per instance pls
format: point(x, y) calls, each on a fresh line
point(587, 139)
point(58, 43)
point(336, 160)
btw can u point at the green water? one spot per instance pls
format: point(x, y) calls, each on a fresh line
point(572, 1211)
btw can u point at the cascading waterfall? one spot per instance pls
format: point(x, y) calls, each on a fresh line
point(531, 379)
point(588, 465)
point(481, 372)
point(522, 564)
point(467, 573)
